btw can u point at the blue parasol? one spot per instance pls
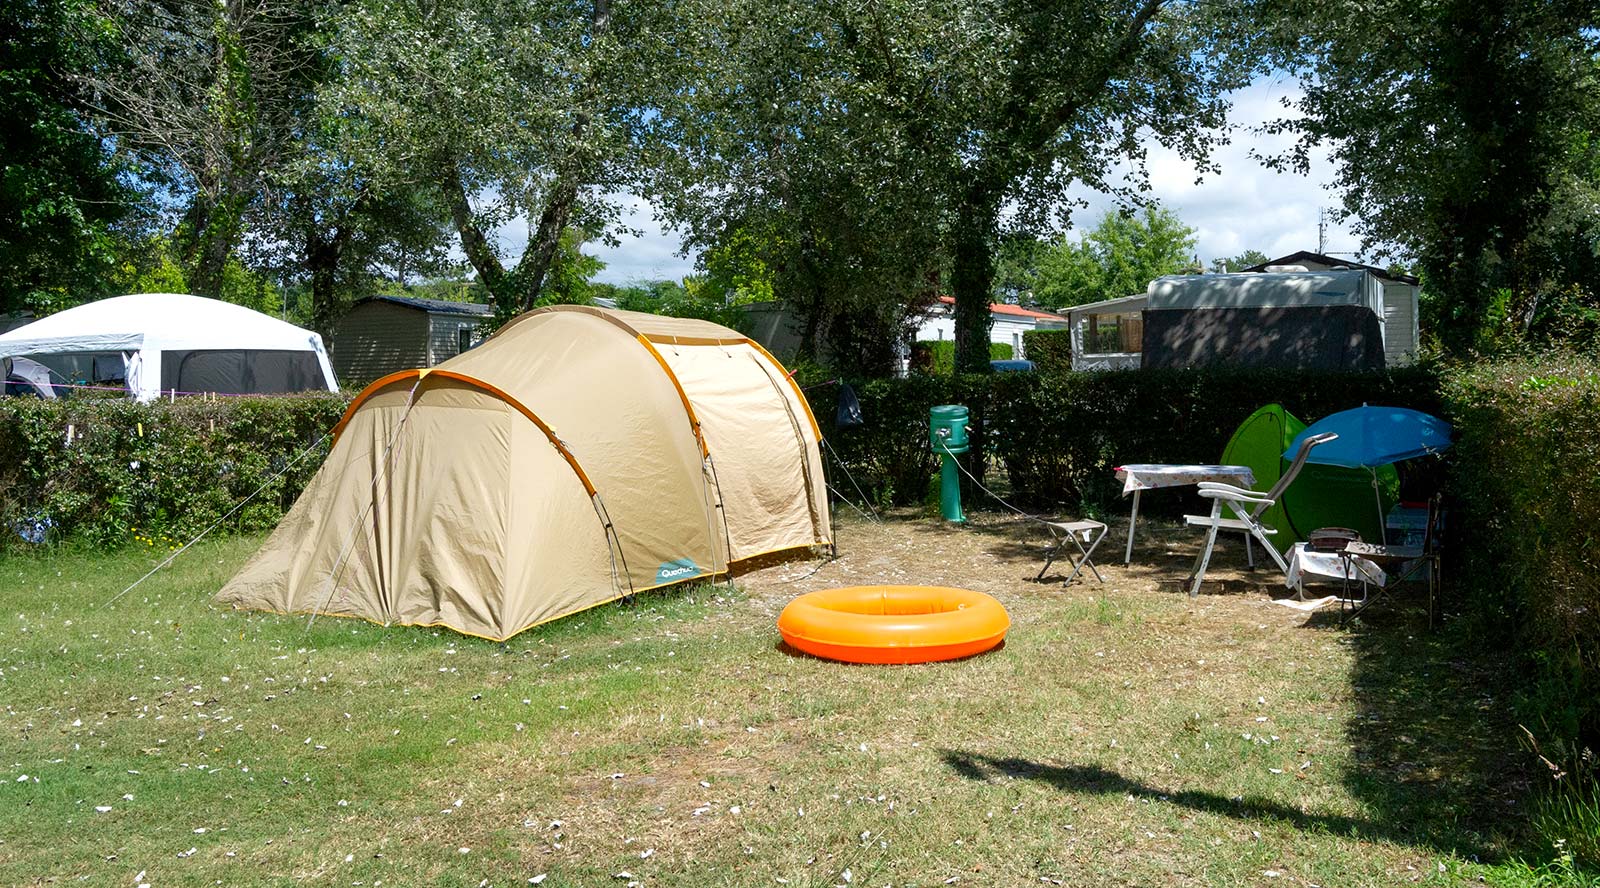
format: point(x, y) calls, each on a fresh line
point(1375, 436)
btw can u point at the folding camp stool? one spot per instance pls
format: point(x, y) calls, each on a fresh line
point(1062, 531)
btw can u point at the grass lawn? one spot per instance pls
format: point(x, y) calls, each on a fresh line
point(1123, 735)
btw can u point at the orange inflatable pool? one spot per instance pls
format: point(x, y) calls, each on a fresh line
point(894, 624)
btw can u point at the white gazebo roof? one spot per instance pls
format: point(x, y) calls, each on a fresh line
point(156, 321)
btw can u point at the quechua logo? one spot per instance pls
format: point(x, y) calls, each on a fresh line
point(677, 569)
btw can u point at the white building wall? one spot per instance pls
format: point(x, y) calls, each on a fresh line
point(1399, 323)
point(1005, 329)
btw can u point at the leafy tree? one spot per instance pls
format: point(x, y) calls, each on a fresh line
point(1247, 259)
point(208, 97)
point(61, 200)
point(1120, 257)
point(1016, 267)
point(332, 234)
point(502, 110)
point(874, 146)
point(1065, 91)
point(688, 299)
point(793, 153)
point(1463, 134)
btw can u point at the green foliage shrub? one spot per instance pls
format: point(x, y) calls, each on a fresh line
point(141, 472)
point(938, 356)
point(1528, 546)
point(1049, 350)
point(1059, 435)
point(889, 456)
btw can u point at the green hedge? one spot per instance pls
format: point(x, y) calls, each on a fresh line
point(155, 474)
point(1058, 435)
point(1049, 350)
point(1527, 545)
point(938, 356)
point(889, 456)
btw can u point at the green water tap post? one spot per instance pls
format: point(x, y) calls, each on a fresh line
point(947, 435)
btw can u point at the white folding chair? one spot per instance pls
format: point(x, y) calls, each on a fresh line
point(1248, 506)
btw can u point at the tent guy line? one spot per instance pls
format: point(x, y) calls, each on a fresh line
point(218, 523)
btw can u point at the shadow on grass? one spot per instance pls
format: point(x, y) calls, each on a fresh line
point(1434, 756)
point(1163, 554)
point(1093, 779)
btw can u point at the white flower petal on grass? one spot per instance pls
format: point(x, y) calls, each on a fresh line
point(646, 853)
point(103, 809)
point(463, 850)
point(536, 879)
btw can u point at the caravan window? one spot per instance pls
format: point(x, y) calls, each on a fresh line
point(1113, 334)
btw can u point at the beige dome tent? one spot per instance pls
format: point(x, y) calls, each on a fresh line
point(576, 456)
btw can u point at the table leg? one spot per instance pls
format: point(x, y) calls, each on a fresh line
point(1127, 556)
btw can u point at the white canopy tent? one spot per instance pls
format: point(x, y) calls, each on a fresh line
point(164, 342)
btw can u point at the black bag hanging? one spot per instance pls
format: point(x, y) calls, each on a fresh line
point(849, 413)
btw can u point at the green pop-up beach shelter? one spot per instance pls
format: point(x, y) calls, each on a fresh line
point(1322, 496)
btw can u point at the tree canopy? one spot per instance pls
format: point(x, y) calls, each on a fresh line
point(850, 160)
point(61, 196)
point(1464, 137)
point(1117, 258)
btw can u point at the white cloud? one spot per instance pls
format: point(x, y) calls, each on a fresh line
point(1245, 206)
point(650, 255)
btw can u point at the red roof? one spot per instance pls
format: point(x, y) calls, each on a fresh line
point(1001, 308)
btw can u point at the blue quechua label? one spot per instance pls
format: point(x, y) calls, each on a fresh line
point(678, 569)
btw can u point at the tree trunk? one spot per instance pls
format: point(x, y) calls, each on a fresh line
point(480, 253)
point(215, 232)
point(546, 242)
point(971, 277)
point(541, 251)
point(323, 258)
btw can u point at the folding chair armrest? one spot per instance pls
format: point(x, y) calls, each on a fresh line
point(1215, 490)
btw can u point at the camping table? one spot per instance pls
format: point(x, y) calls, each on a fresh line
point(1140, 477)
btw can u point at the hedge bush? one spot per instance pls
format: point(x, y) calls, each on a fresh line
point(1058, 435)
point(938, 356)
point(1527, 492)
point(156, 474)
point(1049, 350)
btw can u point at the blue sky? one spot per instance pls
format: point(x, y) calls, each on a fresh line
point(1246, 206)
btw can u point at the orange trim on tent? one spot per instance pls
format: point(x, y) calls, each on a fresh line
point(694, 421)
point(801, 395)
point(492, 389)
point(683, 396)
point(368, 392)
